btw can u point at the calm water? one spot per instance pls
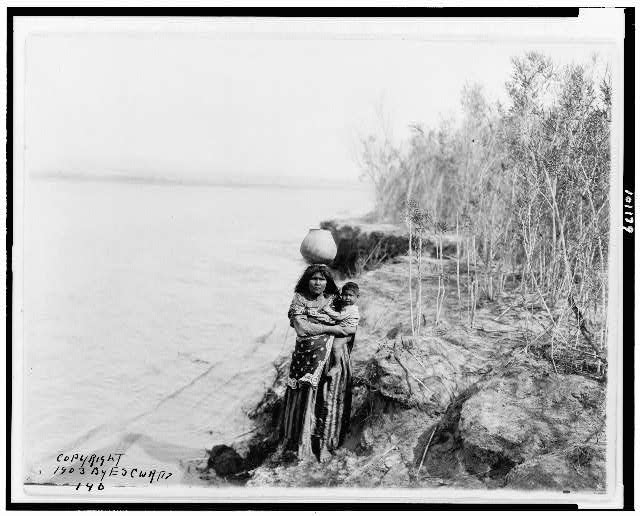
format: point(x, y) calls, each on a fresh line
point(153, 312)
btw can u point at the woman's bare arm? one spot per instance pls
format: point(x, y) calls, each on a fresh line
point(306, 328)
point(341, 331)
point(319, 317)
point(336, 316)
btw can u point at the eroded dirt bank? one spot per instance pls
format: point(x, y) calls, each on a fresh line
point(454, 406)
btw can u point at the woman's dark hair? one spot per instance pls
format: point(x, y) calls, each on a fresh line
point(302, 287)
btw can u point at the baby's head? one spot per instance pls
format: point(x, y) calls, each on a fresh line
point(350, 293)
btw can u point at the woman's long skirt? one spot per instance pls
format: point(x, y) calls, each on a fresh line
point(318, 418)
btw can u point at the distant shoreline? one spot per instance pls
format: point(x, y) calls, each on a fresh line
point(169, 181)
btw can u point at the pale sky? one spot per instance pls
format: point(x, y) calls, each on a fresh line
point(193, 105)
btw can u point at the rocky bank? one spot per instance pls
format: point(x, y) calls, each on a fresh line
point(459, 406)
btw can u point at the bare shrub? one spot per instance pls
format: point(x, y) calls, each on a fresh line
point(527, 187)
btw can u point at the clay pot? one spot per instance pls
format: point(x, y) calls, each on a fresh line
point(319, 246)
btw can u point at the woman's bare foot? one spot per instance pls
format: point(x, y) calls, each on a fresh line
point(325, 455)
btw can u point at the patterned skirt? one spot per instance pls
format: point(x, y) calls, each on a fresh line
point(317, 413)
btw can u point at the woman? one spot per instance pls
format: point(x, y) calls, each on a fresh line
point(317, 405)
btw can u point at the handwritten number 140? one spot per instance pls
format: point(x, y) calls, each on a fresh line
point(89, 486)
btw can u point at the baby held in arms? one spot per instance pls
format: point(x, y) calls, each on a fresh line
point(345, 313)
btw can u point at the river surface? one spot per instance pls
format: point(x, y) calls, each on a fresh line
point(153, 312)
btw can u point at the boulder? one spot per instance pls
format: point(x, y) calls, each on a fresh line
point(225, 461)
point(582, 468)
point(426, 372)
point(524, 414)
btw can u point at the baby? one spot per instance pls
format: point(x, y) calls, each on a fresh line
point(347, 316)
